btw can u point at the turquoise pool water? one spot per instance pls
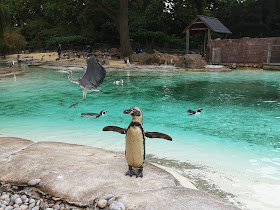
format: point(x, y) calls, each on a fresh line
point(238, 130)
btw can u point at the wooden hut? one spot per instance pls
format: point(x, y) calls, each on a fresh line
point(207, 25)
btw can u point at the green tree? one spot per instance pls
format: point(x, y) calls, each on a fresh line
point(4, 20)
point(4, 24)
point(120, 18)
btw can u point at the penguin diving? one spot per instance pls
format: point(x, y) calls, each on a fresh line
point(92, 78)
point(197, 112)
point(96, 115)
point(135, 141)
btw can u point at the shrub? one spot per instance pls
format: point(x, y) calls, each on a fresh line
point(4, 47)
point(157, 40)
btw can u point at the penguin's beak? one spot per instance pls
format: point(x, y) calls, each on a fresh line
point(127, 111)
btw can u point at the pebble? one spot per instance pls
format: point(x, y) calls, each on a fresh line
point(36, 208)
point(24, 207)
point(110, 201)
point(115, 205)
point(14, 197)
point(18, 201)
point(101, 203)
point(27, 199)
point(34, 182)
point(106, 197)
point(3, 197)
point(31, 205)
point(5, 203)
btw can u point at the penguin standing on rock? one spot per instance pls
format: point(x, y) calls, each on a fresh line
point(135, 141)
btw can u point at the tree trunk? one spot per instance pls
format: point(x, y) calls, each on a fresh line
point(126, 49)
point(121, 19)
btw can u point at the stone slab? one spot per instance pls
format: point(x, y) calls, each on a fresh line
point(79, 174)
point(11, 145)
point(173, 198)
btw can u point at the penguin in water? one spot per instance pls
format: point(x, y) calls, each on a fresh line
point(135, 141)
point(197, 112)
point(118, 82)
point(96, 115)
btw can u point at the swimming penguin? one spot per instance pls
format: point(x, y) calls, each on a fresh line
point(118, 82)
point(197, 112)
point(96, 115)
point(135, 141)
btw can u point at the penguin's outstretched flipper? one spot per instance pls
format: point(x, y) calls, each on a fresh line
point(158, 135)
point(115, 129)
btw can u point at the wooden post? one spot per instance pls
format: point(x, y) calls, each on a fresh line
point(268, 53)
point(204, 45)
point(209, 34)
point(187, 41)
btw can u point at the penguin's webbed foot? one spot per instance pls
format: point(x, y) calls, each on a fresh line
point(140, 173)
point(130, 171)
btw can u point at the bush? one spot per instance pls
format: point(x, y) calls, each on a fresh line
point(157, 40)
point(15, 39)
point(4, 47)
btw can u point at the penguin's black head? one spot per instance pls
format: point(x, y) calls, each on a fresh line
point(134, 111)
point(199, 110)
point(103, 112)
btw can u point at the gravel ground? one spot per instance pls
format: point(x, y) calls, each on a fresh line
point(30, 198)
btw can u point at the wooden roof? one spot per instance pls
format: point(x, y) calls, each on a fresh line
point(204, 23)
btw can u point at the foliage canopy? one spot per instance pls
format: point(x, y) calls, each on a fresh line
point(152, 23)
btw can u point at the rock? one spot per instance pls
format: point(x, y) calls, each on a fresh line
point(115, 205)
point(110, 201)
point(5, 203)
point(31, 205)
point(17, 208)
point(38, 202)
point(106, 197)
point(56, 207)
point(4, 197)
point(18, 201)
point(34, 182)
point(31, 200)
point(101, 203)
point(24, 207)
point(15, 187)
point(23, 197)
point(9, 208)
point(14, 197)
point(35, 208)
point(15, 205)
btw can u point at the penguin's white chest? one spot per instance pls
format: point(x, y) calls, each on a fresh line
point(134, 147)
